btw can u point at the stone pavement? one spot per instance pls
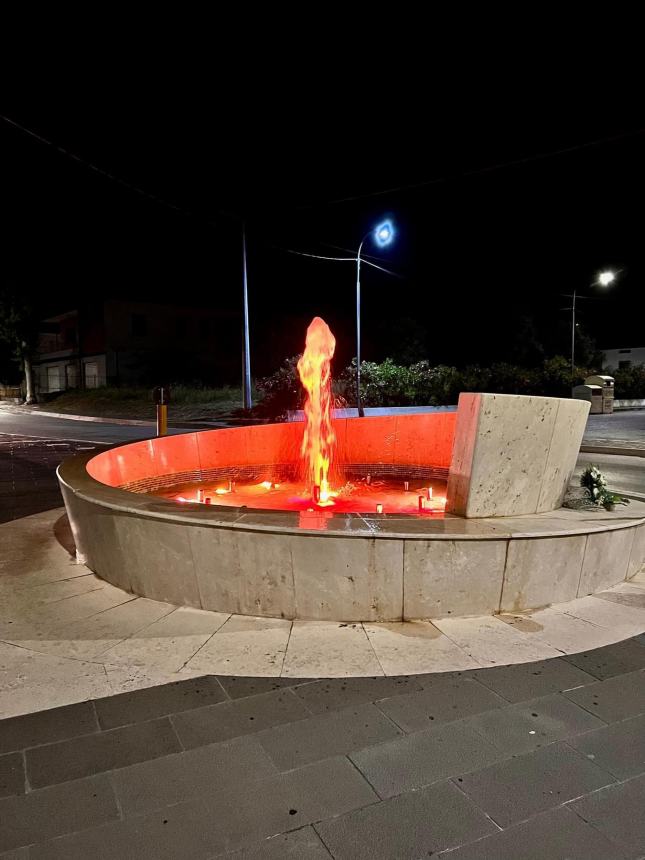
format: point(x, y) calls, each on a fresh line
point(535, 761)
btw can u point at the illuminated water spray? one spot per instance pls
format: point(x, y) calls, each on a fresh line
point(319, 438)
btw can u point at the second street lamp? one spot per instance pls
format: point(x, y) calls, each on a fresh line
point(604, 279)
point(382, 234)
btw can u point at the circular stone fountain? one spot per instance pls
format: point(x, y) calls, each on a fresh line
point(331, 519)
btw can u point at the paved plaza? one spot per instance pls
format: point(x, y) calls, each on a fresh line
point(541, 759)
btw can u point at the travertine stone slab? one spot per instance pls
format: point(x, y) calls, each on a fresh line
point(540, 572)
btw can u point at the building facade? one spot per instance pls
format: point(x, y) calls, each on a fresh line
point(616, 359)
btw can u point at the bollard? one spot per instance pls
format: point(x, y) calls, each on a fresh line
point(161, 396)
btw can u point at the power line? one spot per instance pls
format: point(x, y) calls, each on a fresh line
point(338, 259)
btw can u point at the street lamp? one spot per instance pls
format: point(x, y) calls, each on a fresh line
point(604, 279)
point(382, 234)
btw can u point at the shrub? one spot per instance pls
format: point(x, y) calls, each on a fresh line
point(629, 381)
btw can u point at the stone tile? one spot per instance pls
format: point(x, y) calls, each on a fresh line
point(616, 659)
point(617, 812)
point(622, 620)
point(443, 702)
point(224, 821)
point(241, 717)
point(159, 701)
point(12, 774)
point(561, 631)
point(332, 694)
point(295, 845)
point(606, 559)
point(489, 641)
point(322, 649)
point(44, 727)
point(246, 573)
point(91, 754)
point(336, 733)
point(618, 748)
point(163, 781)
point(416, 646)
point(529, 725)
point(414, 825)
point(556, 833)
point(239, 688)
point(169, 643)
point(19, 854)
point(446, 577)
point(542, 572)
point(54, 811)
point(617, 698)
point(637, 556)
point(518, 788)
point(348, 580)
point(416, 760)
point(245, 646)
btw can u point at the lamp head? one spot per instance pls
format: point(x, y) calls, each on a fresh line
point(384, 234)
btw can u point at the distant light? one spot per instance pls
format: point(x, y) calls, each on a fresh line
point(384, 234)
point(606, 278)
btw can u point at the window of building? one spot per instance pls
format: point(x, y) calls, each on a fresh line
point(53, 378)
point(622, 351)
point(91, 374)
point(139, 325)
point(70, 376)
point(623, 364)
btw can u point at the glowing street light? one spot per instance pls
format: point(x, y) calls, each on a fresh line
point(383, 235)
point(604, 279)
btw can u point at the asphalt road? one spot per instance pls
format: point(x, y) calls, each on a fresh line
point(628, 426)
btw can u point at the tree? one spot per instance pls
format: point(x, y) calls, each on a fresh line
point(19, 330)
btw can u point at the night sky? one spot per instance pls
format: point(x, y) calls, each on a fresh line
point(478, 250)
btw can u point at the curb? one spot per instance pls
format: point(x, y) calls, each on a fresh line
point(609, 449)
point(22, 410)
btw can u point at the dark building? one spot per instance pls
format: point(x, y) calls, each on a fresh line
point(120, 342)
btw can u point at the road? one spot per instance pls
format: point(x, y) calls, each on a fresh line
point(628, 426)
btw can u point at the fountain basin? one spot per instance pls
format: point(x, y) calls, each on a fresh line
point(342, 566)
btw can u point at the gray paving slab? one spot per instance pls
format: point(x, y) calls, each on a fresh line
point(332, 694)
point(417, 760)
point(335, 733)
point(518, 788)
point(19, 854)
point(54, 811)
point(12, 774)
point(90, 754)
point(529, 725)
point(227, 720)
point(618, 748)
point(413, 825)
point(617, 812)
point(616, 659)
point(443, 702)
point(529, 680)
point(297, 845)
point(617, 698)
point(240, 688)
point(159, 701)
point(43, 727)
point(198, 772)
point(203, 827)
point(559, 833)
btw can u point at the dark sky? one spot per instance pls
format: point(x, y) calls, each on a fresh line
point(477, 250)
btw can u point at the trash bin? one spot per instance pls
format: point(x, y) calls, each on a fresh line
point(606, 383)
point(592, 394)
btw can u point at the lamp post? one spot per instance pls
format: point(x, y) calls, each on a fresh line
point(246, 355)
point(604, 279)
point(382, 234)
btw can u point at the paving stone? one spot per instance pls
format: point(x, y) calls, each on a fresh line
point(286, 846)
point(440, 703)
point(159, 701)
point(618, 748)
point(332, 694)
point(529, 725)
point(44, 727)
point(611, 660)
point(407, 827)
point(617, 812)
point(616, 698)
point(529, 680)
point(80, 757)
point(19, 854)
point(53, 811)
point(424, 757)
point(240, 717)
point(520, 787)
point(198, 772)
point(12, 774)
point(555, 834)
point(202, 828)
point(335, 733)
point(240, 688)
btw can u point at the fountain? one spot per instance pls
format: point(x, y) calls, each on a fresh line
point(381, 518)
